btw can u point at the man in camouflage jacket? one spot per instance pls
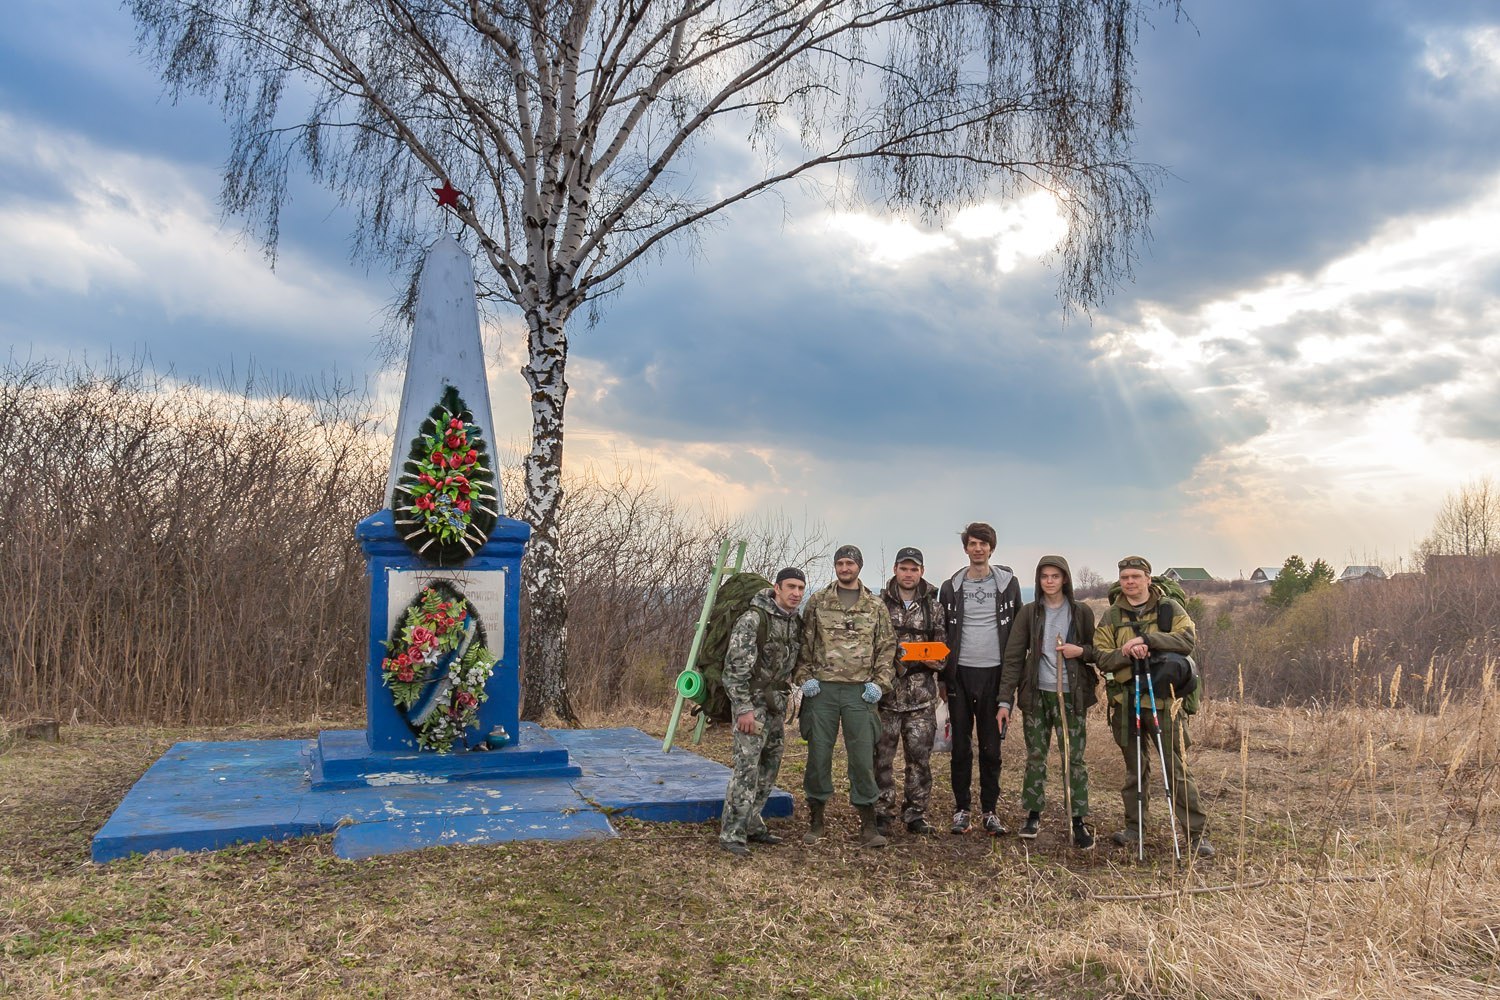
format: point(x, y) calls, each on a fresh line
point(908, 712)
point(758, 669)
point(847, 662)
point(1128, 634)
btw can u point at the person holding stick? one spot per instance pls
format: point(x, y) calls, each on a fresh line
point(1143, 622)
point(1049, 674)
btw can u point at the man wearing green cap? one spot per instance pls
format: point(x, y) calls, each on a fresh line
point(1141, 622)
point(847, 661)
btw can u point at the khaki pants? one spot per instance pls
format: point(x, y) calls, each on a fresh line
point(1174, 739)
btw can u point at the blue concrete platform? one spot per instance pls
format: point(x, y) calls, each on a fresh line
point(207, 796)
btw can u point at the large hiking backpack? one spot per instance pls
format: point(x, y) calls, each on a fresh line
point(733, 600)
point(1170, 667)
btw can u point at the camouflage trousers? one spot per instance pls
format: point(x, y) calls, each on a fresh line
point(1136, 796)
point(757, 761)
point(916, 729)
point(1039, 727)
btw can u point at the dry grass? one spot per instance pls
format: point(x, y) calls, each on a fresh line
point(1365, 866)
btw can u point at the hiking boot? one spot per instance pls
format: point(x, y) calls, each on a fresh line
point(960, 822)
point(993, 826)
point(883, 825)
point(1032, 826)
point(1124, 838)
point(920, 827)
point(1083, 837)
point(869, 828)
point(737, 849)
point(764, 837)
point(815, 822)
point(1203, 848)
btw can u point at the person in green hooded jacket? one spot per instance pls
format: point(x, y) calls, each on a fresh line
point(1048, 673)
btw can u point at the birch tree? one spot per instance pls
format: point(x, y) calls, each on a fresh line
point(562, 132)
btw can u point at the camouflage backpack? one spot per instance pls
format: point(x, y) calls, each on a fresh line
point(1165, 614)
point(735, 595)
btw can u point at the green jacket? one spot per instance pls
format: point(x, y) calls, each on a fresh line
point(1023, 655)
point(1116, 628)
point(851, 647)
point(760, 674)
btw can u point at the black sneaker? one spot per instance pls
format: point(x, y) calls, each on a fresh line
point(738, 850)
point(1032, 826)
point(920, 827)
point(1083, 837)
point(960, 822)
point(993, 826)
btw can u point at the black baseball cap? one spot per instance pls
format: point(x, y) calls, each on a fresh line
point(911, 554)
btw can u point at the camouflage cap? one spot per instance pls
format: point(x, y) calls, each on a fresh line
point(1136, 562)
point(849, 552)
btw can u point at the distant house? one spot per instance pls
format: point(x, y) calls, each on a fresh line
point(1188, 574)
point(1352, 573)
point(1265, 574)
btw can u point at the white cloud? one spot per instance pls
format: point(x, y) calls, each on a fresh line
point(1469, 58)
point(1351, 368)
point(129, 226)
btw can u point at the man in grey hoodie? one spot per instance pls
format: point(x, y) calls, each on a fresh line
point(980, 603)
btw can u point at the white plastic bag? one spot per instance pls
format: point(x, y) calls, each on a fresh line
point(942, 738)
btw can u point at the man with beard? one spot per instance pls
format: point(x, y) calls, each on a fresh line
point(847, 662)
point(908, 712)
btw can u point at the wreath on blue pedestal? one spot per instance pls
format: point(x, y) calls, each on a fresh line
point(437, 666)
point(445, 501)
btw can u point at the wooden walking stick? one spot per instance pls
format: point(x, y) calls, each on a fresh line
point(1063, 744)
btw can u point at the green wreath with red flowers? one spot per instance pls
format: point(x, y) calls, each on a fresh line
point(444, 500)
point(437, 666)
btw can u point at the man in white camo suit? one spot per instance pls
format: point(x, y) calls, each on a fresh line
point(758, 668)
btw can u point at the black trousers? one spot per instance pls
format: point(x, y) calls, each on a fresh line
point(972, 702)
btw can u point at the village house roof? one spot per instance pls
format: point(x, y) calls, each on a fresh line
point(1265, 574)
point(1361, 573)
point(1188, 574)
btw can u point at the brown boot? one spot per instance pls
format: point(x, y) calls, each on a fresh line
point(815, 825)
point(869, 829)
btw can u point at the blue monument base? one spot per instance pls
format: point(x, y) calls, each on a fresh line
point(207, 796)
point(342, 758)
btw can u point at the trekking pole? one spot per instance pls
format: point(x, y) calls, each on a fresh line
point(1140, 790)
point(1162, 755)
point(1063, 744)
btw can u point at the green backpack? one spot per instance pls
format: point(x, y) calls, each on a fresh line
point(733, 600)
point(1164, 617)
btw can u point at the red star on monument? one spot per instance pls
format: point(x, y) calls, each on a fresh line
point(447, 195)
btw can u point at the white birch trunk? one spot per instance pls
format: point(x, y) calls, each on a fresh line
point(546, 643)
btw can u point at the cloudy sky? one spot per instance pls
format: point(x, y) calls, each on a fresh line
point(1306, 360)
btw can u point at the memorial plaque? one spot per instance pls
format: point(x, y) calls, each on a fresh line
point(484, 590)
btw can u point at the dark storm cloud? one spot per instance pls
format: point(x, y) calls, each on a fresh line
point(1292, 130)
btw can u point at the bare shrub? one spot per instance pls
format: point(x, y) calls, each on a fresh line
point(637, 563)
point(173, 552)
point(1352, 643)
point(182, 553)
